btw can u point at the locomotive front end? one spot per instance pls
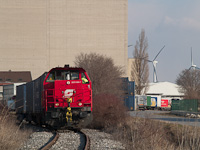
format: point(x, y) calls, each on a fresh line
point(67, 97)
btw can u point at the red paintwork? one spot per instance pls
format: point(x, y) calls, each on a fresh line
point(58, 91)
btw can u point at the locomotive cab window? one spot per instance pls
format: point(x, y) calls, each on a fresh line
point(74, 75)
point(51, 77)
point(84, 78)
point(63, 75)
point(59, 75)
point(71, 75)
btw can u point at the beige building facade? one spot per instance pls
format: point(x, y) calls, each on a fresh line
point(129, 69)
point(36, 35)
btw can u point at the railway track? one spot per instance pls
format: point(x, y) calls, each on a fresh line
point(85, 145)
point(87, 140)
point(51, 142)
point(43, 138)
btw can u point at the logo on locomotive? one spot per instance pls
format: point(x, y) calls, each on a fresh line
point(68, 93)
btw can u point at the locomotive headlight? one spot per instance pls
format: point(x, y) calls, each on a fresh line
point(80, 104)
point(56, 104)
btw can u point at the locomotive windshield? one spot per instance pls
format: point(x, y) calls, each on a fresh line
point(84, 78)
point(63, 75)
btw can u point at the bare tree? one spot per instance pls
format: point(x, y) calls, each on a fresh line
point(189, 82)
point(105, 76)
point(140, 68)
point(106, 86)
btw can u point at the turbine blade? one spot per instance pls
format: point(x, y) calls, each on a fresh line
point(130, 45)
point(159, 53)
point(197, 68)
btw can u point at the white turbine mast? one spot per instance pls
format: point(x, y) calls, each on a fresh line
point(154, 62)
point(193, 66)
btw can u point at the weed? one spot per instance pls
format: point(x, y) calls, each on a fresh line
point(11, 136)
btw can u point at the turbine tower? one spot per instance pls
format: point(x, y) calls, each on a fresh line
point(193, 66)
point(154, 62)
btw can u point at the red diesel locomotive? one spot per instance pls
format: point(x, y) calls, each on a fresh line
point(60, 98)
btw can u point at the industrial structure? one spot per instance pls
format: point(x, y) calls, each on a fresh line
point(37, 35)
point(130, 62)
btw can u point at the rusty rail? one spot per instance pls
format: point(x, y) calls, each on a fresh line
point(50, 143)
point(87, 140)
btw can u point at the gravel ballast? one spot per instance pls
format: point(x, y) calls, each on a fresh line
point(72, 141)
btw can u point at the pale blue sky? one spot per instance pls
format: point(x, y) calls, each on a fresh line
point(173, 23)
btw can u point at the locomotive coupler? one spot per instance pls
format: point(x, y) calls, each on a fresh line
point(69, 111)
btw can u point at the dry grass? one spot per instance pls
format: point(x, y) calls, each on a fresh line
point(147, 134)
point(136, 133)
point(10, 133)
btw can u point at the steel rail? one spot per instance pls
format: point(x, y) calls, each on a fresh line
point(87, 140)
point(51, 143)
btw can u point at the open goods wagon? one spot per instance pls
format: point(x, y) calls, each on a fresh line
point(60, 98)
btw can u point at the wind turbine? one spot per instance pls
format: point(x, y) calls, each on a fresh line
point(193, 66)
point(154, 62)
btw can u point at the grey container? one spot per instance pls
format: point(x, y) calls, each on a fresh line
point(8, 91)
point(38, 89)
point(20, 104)
point(30, 97)
point(34, 94)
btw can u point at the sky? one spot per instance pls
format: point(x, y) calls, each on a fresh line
point(173, 23)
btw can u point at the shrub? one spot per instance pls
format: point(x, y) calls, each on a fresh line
point(104, 74)
point(108, 111)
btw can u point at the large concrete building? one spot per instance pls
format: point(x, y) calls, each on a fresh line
point(129, 69)
point(36, 35)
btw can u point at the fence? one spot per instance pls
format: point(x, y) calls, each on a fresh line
point(190, 105)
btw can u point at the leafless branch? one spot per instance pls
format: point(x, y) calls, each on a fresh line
point(140, 68)
point(189, 82)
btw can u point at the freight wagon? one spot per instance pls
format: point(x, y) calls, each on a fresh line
point(60, 98)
